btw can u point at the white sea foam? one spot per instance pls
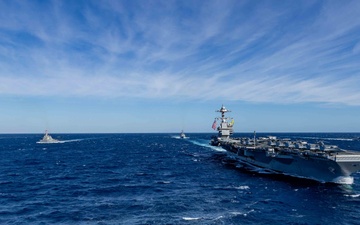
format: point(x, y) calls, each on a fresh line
point(243, 187)
point(242, 213)
point(164, 182)
point(191, 218)
point(59, 142)
point(219, 217)
point(344, 180)
point(72, 140)
point(330, 139)
point(218, 149)
point(353, 196)
point(206, 144)
point(178, 137)
point(237, 213)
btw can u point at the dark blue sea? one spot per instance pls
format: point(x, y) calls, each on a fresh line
point(159, 179)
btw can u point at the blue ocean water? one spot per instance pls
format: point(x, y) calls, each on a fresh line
point(159, 179)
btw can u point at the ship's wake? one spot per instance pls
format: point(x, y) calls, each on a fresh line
point(178, 137)
point(72, 140)
point(230, 160)
point(328, 139)
point(60, 142)
point(205, 143)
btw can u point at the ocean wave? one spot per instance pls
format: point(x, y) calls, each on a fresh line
point(127, 182)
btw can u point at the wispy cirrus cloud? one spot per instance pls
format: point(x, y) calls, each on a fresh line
point(256, 52)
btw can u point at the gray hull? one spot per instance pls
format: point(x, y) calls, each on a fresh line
point(323, 169)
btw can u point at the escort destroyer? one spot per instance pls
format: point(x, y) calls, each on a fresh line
point(316, 161)
point(182, 134)
point(47, 139)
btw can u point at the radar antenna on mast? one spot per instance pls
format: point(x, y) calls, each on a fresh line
point(225, 129)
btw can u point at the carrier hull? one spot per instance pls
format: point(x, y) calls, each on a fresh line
point(317, 161)
point(331, 169)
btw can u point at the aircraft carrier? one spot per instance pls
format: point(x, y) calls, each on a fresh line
point(316, 161)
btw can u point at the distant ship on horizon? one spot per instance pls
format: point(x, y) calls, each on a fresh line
point(182, 134)
point(47, 139)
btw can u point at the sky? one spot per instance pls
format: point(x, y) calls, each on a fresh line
point(166, 66)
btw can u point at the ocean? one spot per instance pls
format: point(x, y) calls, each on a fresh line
point(160, 179)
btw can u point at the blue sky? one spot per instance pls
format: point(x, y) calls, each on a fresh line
point(164, 66)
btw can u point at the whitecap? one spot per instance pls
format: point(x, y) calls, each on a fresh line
point(243, 187)
point(164, 182)
point(353, 196)
point(243, 213)
point(191, 218)
point(219, 217)
point(237, 213)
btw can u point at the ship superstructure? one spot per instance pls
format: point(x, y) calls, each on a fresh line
point(317, 161)
point(226, 128)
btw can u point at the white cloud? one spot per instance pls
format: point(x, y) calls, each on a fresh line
point(280, 90)
point(155, 51)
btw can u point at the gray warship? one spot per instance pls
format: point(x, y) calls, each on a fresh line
point(315, 161)
point(47, 139)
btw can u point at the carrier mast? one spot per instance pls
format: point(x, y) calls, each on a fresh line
point(225, 129)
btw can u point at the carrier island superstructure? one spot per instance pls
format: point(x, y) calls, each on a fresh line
point(316, 161)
